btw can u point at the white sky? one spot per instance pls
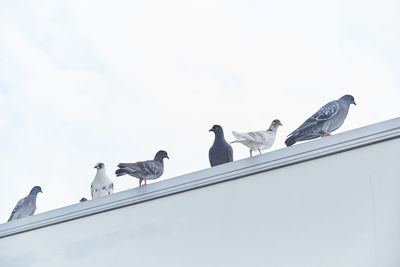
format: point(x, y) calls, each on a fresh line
point(115, 81)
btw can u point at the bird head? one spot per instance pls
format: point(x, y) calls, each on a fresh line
point(35, 190)
point(99, 166)
point(216, 129)
point(348, 99)
point(161, 155)
point(276, 123)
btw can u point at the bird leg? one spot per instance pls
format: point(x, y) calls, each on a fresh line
point(145, 182)
point(140, 182)
point(259, 151)
point(326, 134)
point(251, 153)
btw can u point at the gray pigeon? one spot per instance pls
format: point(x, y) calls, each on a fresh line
point(144, 170)
point(26, 206)
point(101, 185)
point(221, 152)
point(83, 199)
point(327, 119)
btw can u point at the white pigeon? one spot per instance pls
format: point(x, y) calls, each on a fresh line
point(101, 185)
point(259, 140)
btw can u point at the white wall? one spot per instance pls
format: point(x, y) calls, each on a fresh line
point(339, 210)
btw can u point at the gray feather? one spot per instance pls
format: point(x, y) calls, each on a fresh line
point(220, 152)
point(26, 206)
point(326, 120)
point(144, 170)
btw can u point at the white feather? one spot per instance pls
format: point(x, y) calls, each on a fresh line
point(101, 185)
point(259, 140)
point(256, 140)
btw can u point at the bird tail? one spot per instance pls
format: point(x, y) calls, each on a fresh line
point(291, 140)
point(123, 171)
point(238, 137)
point(123, 165)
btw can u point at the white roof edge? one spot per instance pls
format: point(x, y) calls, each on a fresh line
point(352, 139)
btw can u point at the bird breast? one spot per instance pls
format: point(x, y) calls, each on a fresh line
point(338, 119)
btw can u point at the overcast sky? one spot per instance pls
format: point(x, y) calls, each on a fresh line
point(115, 81)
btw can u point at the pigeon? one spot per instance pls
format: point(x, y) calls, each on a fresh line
point(83, 199)
point(221, 152)
point(144, 170)
point(101, 185)
point(259, 140)
point(327, 119)
point(26, 206)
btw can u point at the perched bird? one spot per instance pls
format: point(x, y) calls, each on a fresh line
point(83, 199)
point(221, 152)
point(327, 119)
point(144, 170)
point(101, 185)
point(259, 140)
point(26, 206)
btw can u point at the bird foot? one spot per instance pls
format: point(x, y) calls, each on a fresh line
point(326, 134)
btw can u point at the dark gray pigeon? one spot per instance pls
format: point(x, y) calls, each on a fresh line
point(144, 170)
point(221, 152)
point(327, 119)
point(83, 199)
point(26, 206)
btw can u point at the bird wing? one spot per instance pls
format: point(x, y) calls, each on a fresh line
point(92, 190)
point(229, 152)
point(211, 156)
point(137, 166)
point(323, 114)
point(110, 188)
point(17, 208)
point(257, 137)
point(243, 136)
point(151, 167)
point(105, 190)
point(146, 167)
point(254, 137)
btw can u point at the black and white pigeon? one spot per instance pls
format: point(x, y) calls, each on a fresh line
point(101, 185)
point(327, 119)
point(221, 152)
point(26, 206)
point(144, 170)
point(259, 140)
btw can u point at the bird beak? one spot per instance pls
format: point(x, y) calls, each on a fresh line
point(211, 130)
point(40, 191)
point(280, 124)
point(354, 103)
point(167, 157)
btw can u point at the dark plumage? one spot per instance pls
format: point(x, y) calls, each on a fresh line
point(326, 120)
point(144, 170)
point(221, 152)
point(26, 206)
